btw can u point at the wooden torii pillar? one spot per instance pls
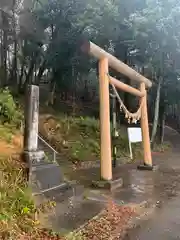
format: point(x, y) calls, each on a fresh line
point(107, 60)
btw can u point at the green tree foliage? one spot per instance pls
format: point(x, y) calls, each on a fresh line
point(42, 39)
point(9, 112)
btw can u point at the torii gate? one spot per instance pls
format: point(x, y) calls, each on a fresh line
point(107, 60)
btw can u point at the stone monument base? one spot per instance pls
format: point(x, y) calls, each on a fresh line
point(44, 177)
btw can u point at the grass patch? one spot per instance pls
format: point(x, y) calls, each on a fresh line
point(78, 138)
point(166, 146)
point(7, 131)
point(18, 213)
point(16, 206)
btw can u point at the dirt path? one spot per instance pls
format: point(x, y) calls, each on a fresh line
point(165, 222)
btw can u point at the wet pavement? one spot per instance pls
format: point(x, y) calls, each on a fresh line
point(161, 187)
point(164, 224)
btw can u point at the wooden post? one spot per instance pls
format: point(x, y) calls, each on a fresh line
point(114, 135)
point(145, 129)
point(106, 162)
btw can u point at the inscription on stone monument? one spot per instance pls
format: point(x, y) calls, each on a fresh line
point(31, 118)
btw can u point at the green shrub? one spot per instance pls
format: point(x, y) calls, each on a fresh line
point(9, 112)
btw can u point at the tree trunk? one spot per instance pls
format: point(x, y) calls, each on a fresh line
point(13, 77)
point(30, 72)
point(162, 118)
point(51, 96)
point(20, 84)
point(14, 65)
point(4, 47)
point(1, 49)
point(5, 58)
point(40, 72)
point(74, 92)
point(156, 111)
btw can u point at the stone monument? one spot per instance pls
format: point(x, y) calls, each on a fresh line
point(44, 177)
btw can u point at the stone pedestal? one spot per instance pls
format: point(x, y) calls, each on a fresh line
point(108, 185)
point(34, 158)
point(147, 167)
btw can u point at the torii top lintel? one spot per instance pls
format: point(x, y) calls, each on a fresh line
point(99, 53)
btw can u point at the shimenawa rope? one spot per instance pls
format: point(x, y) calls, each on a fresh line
point(132, 117)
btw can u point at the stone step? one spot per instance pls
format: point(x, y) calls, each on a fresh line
point(56, 193)
point(71, 213)
point(67, 191)
point(47, 175)
point(47, 179)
